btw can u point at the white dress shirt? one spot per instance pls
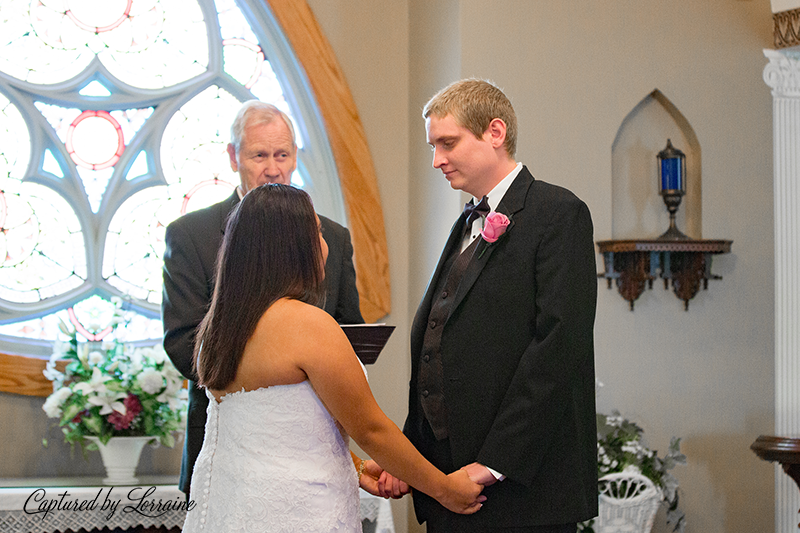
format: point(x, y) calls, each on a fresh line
point(493, 198)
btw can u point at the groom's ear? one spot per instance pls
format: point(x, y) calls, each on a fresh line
point(495, 134)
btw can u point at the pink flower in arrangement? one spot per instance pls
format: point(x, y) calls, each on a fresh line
point(494, 226)
point(132, 408)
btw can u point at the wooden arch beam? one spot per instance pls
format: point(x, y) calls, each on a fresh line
point(350, 150)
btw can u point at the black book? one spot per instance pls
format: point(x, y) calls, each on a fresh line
point(367, 339)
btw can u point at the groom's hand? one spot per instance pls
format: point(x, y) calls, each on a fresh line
point(479, 474)
point(379, 482)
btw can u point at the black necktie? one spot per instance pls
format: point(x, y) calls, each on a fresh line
point(472, 212)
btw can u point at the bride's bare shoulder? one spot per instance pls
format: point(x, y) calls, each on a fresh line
point(289, 308)
point(298, 320)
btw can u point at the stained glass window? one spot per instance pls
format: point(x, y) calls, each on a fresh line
point(114, 120)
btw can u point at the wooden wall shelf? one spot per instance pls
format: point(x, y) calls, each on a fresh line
point(634, 264)
point(784, 450)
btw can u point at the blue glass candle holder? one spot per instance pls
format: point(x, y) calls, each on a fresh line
point(672, 186)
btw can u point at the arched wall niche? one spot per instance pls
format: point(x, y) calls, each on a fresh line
point(638, 211)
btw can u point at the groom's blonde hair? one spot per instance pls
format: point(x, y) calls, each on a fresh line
point(473, 104)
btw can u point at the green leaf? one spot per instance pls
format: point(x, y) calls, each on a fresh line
point(94, 423)
point(70, 412)
point(168, 440)
point(115, 386)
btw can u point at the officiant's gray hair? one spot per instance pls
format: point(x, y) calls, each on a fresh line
point(255, 112)
point(474, 103)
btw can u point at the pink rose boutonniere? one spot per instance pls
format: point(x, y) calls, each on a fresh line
point(494, 226)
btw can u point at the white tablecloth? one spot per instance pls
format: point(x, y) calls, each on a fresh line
point(51, 505)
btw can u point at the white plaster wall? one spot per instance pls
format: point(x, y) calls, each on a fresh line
point(370, 40)
point(706, 375)
point(574, 70)
point(784, 5)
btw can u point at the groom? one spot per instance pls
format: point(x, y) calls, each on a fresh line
point(502, 380)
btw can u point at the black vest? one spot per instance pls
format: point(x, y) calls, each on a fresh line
point(430, 379)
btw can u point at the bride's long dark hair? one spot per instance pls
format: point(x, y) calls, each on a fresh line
point(270, 250)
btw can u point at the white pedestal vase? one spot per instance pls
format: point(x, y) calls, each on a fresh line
point(628, 504)
point(120, 457)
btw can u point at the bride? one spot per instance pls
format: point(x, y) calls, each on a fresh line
point(286, 389)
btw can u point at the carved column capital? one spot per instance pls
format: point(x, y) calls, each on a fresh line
point(786, 30)
point(782, 73)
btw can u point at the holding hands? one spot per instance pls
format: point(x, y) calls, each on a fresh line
point(379, 482)
point(461, 495)
point(479, 474)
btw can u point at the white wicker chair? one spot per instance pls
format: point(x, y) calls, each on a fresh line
point(628, 504)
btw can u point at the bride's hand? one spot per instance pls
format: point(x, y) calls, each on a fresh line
point(463, 496)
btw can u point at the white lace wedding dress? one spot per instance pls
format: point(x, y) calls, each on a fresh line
point(273, 460)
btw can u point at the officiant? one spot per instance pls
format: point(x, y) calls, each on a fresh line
point(262, 150)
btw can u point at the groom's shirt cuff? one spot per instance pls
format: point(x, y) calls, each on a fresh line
point(498, 476)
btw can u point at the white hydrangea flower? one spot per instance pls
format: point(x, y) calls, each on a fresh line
point(158, 354)
point(62, 394)
point(174, 395)
point(151, 381)
point(632, 469)
point(52, 373)
point(60, 348)
point(631, 447)
point(95, 358)
point(174, 378)
point(52, 406)
point(135, 366)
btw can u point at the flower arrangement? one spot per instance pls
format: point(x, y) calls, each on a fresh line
point(620, 449)
point(116, 390)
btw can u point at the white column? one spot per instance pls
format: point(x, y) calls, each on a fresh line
point(782, 75)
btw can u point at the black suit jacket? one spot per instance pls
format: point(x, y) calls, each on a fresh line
point(518, 361)
point(192, 243)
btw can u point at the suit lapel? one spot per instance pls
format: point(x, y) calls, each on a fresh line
point(225, 211)
point(513, 202)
